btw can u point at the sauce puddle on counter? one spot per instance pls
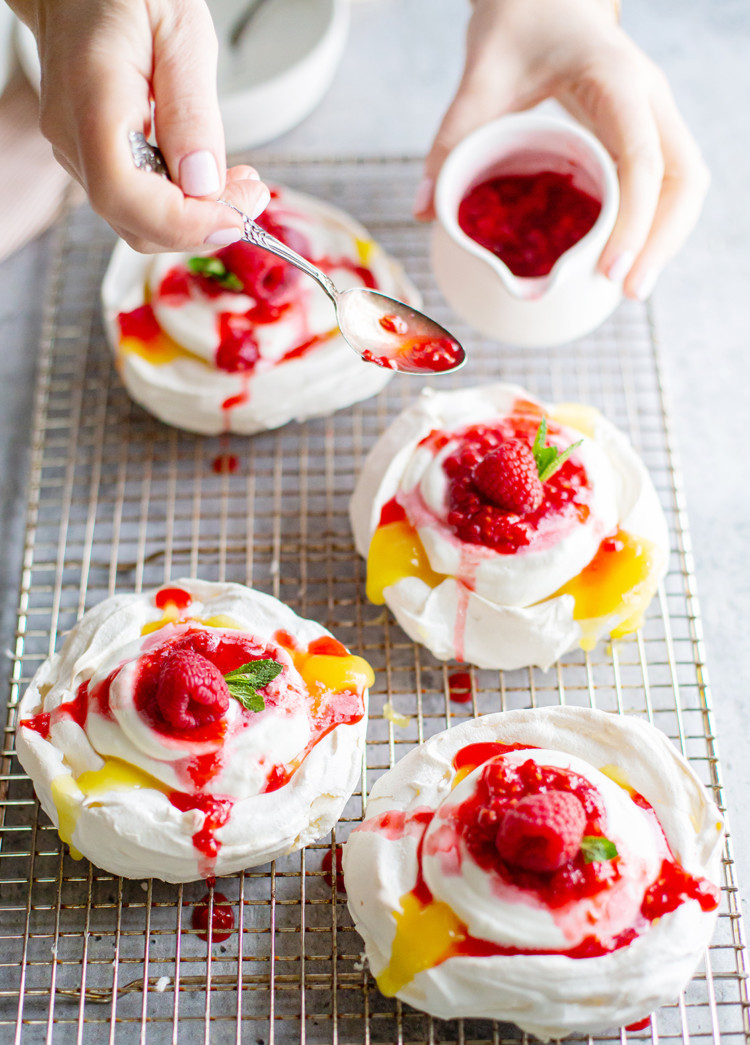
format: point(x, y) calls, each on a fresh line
point(219, 919)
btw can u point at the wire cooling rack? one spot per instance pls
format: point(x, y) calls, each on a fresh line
point(118, 501)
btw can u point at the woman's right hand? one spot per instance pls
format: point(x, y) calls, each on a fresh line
point(103, 61)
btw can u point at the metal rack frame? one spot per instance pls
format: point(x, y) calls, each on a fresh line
point(118, 502)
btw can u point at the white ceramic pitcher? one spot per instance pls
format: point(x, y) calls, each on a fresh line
point(574, 297)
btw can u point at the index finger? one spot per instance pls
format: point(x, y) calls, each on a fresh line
point(144, 207)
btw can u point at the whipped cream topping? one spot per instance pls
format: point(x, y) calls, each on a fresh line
point(487, 608)
point(142, 798)
point(512, 916)
point(415, 891)
point(244, 750)
point(304, 368)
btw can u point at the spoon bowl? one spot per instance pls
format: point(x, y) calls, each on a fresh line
point(395, 335)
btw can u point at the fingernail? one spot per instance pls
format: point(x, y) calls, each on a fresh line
point(423, 195)
point(199, 174)
point(223, 237)
point(620, 267)
point(261, 203)
point(646, 284)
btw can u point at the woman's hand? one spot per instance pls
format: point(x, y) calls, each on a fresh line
point(520, 52)
point(103, 62)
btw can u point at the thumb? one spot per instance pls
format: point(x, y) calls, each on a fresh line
point(186, 106)
point(476, 102)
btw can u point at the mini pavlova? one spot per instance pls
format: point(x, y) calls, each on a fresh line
point(193, 731)
point(557, 868)
point(240, 340)
point(501, 530)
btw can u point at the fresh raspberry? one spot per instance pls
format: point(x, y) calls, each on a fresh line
point(191, 691)
point(509, 478)
point(541, 832)
point(265, 276)
point(238, 349)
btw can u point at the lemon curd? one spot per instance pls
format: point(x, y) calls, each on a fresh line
point(159, 352)
point(615, 589)
point(69, 794)
point(331, 674)
point(172, 613)
point(396, 552)
point(426, 933)
point(579, 416)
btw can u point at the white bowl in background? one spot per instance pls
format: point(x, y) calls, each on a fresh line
point(275, 77)
point(282, 67)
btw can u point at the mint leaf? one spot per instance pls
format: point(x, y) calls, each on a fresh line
point(249, 697)
point(540, 439)
point(244, 682)
point(596, 848)
point(548, 458)
point(214, 268)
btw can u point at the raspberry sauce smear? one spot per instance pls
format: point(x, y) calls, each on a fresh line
point(528, 221)
point(395, 336)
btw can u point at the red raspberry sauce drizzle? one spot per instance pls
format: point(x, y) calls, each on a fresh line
point(475, 520)
point(342, 708)
point(176, 596)
point(326, 866)
point(225, 464)
point(459, 687)
point(216, 810)
point(391, 512)
point(38, 724)
point(639, 1024)
point(673, 886)
point(416, 353)
point(528, 220)
point(76, 709)
point(140, 323)
point(221, 924)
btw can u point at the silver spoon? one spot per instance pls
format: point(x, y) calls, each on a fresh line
point(380, 329)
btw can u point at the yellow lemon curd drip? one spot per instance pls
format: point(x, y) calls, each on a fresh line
point(396, 552)
point(172, 614)
point(67, 798)
point(219, 620)
point(68, 794)
point(158, 352)
point(365, 250)
point(577, 415)
point(425, 936)
point(324, 673)
point(390, 713)
point(330, 672)
point(617, 775)
point(618, 583)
